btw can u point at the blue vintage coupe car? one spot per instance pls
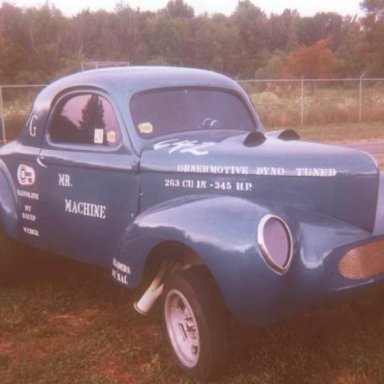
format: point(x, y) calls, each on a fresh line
point(167, 177)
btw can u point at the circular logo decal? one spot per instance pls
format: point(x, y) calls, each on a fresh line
point(26, 175)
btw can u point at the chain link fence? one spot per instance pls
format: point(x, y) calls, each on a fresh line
point(317, 101)
point(280, 103)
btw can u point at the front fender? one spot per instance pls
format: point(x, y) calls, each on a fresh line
point(222, 231)
point(209, 225)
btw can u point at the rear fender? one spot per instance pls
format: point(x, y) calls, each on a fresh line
point(8, 205)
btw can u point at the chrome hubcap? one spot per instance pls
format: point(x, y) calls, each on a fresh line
point(182, 328)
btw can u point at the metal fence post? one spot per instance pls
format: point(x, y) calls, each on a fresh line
point(302, 102)
point(2, 124)
point(361, 98)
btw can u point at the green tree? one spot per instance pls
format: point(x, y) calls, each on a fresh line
point(46, 30)
point(274, 67)
point(349, 57)
point(38, 44)
point(12, 55)
point(166, 39)
point(178, 9)
point(15, 43)
point(253, 28)
point(283, 30)
point(216, 44)
point(324, 25)
point(373, 23)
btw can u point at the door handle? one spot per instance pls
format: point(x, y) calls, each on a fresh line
point(39, 161)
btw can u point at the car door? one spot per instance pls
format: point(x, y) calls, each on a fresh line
point(89, 180)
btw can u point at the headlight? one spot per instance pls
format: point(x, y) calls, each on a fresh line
point(275, 241)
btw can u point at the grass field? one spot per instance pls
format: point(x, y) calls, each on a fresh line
point(342, 132)
point(65, 323)
point(282, 105)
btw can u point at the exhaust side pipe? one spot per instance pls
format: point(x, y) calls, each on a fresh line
point(154, 291)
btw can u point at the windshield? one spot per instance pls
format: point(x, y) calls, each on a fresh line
point(162, 112)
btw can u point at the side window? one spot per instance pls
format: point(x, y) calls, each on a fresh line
point(85, 119)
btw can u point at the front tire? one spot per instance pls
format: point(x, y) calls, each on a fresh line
point(194, 320)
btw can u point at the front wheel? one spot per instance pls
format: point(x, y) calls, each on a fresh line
point(193, 316)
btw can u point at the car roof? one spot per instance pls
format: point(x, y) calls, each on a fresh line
point(130, 80)
point(121, 84)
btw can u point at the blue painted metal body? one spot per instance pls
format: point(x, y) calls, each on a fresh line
point(207, 190)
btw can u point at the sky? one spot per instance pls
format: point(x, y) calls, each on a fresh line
point(305, 7)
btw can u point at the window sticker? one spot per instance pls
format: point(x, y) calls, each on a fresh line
point(145, 128)
point(98, 136)
point(111, 137)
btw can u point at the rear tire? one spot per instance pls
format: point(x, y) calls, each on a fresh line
point(194, 320)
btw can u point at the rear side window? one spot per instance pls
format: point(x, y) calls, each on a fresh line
point(85, 119)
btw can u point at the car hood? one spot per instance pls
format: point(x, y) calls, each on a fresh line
point(274, 168)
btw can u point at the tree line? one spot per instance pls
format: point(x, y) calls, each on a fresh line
point(40, 44)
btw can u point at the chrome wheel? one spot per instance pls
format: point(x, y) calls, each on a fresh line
point(193, 319)
point(182, 328)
